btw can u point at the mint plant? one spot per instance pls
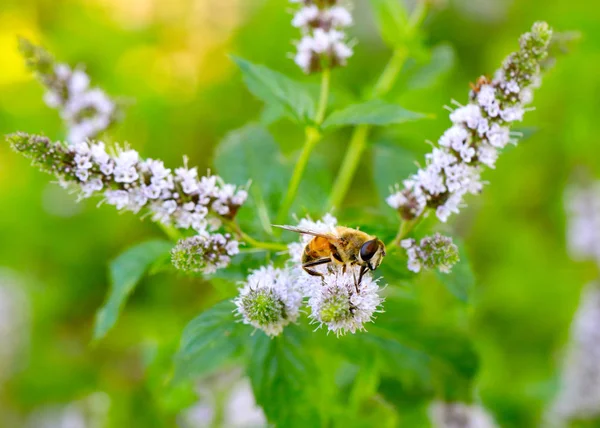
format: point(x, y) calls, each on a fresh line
point(220, 225)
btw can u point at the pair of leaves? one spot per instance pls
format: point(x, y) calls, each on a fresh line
point(286, 97)
point(375, 112)
point(278, 91)
point(125, 272)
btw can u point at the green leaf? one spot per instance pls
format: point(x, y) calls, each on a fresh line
point(460, 281)
point(422, 353)
point(251, 153)
point(125, 272)
point(392, 21)
point(209, 341)
point(276, 89)
point(285, 379)
point(375, 112)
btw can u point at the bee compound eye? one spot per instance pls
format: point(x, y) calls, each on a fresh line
point(368, 250)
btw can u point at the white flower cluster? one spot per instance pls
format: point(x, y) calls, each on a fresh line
point(459, 415)
point(336, 304)
point(269, 299)
point(583, 222)
point(432, 252)
point(204, 252)
point(86, 111)
point(128, 182)
point(323, 43)
point(579, 394)
point(14, 325)
point(333, 298)
point(479, 131)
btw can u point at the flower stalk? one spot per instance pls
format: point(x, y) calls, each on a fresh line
point(358, 140)
point(312, 137)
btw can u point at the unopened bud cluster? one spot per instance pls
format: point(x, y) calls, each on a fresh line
point(128, 182)
point(336, 301)
point(479, 131)
point(432, 252)
point(86, 111)
point(204, 253)
point(323, 44)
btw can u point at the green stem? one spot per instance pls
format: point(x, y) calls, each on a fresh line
point(173, 234)
point(324, 96)
point(313, 136)
point(358, 141)
point(349, 165)
point(243, 236)
point(390, 72)
point(405, 228)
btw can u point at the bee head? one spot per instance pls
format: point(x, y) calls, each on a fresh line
point(371, 253)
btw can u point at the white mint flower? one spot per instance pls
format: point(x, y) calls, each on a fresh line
point(131, 183)
point(86, 111)
point(459, 415)
point(432, 252)
point(479, 130)
point(269, 300)
point(578, 397)
point(337, 304)
point(323, 43)
point(582, 204)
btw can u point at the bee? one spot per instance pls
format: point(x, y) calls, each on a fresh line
point(345, 247)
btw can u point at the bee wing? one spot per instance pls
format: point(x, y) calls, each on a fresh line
point(329, 236)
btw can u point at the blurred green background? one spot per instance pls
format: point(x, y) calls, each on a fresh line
point(170, 60)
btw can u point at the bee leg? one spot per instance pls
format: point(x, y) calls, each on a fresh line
point(318, 262)
point(363, 270)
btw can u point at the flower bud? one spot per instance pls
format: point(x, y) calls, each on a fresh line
point(433, 252)
point(204, 253)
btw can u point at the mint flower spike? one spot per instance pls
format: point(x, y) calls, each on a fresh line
point(459, 415)
point(204, 252)
point(479, 131)
point(433, 252)
point(269, 300)
point(582, 204)
point(323, 44)
point(578, 397)
point(86, 111)
point(130, 183)
point(336, 304)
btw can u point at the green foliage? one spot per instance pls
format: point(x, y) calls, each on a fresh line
point(422, 347)
point(210, 341)
point(125, 272)
point(392, 21)
point(375, 112)
point(278, 90)
point(252, 152)
point(460, 281)
point(285, 379)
